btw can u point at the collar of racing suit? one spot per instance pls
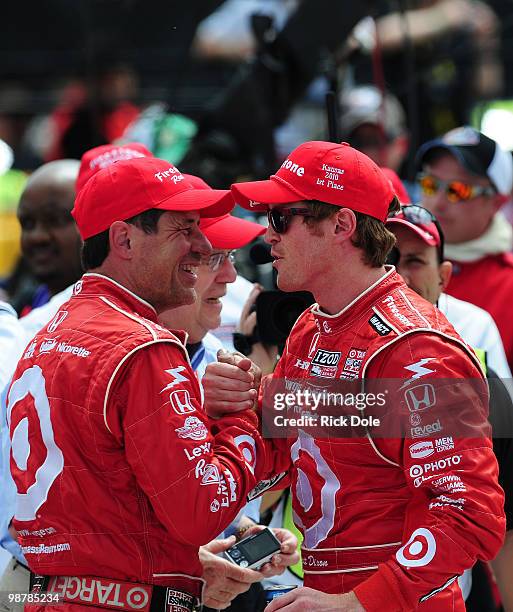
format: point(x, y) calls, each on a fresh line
point(92, 283)
point(330, 324)
point(104, 287)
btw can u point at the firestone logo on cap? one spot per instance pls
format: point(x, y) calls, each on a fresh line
point(171, 173)
point(288, 164)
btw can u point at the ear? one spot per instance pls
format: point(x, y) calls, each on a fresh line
point(344, 224)
point(445, 272)
point(403, 143)
point(119, 239)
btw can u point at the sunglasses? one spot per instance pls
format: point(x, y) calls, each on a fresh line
point(422, 217)
point(279, 218)
point(455, 191)
point(216, 260)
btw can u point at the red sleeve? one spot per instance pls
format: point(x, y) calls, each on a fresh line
point(275, 470)
point(195, 473)
point(456, 512)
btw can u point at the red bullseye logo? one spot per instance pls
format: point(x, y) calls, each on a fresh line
point(247, 447)
point(419, 550)
point(315, 490)
point(36, 459)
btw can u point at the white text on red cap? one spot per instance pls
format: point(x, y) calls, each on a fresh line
point(172, 173)
point(293, 167)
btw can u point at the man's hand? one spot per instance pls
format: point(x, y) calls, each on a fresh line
point(280, 561)
point(224, 580)
point(303, 599)
point(230, 384)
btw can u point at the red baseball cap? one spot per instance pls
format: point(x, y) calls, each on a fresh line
point(428, 232)
point(397, 184)
point(129, 187)
point(333, 173)
point(226, 232)
point(229, 232)
point(101, 157)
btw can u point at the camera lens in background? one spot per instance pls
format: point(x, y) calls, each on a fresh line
point(260, 253)
point(277, 312)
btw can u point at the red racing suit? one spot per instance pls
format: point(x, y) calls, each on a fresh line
point(396, 518)
point(119, 472)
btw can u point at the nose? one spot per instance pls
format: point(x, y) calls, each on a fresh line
point(39, 232)
point(227, 272)
point(270, 236)
point(200, 243)
point(437, 202)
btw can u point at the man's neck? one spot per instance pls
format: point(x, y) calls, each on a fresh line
point(346, 287)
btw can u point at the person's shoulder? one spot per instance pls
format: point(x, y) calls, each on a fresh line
point(454, 308)
point(38, 317)
point(492, 263)
point(506, 259)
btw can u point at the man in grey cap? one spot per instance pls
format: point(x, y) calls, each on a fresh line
point(465, 177)
point(375, 124)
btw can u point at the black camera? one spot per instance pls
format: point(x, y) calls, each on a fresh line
point(277, 312)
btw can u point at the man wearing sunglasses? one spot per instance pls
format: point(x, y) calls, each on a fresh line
point(379, 532)
point(465, 178)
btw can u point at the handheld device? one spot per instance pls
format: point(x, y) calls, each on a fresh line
point(255, 550)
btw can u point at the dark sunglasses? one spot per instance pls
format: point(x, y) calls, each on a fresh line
point(418, 215)
point(455, 191)
point(279, 218)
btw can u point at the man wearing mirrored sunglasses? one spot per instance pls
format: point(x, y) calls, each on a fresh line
point(465, 178)
point(375, 535)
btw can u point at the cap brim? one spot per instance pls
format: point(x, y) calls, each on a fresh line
point(426, 236)
point(257, 195)
point(469, 161)
point(231, 232)
point(208, 202)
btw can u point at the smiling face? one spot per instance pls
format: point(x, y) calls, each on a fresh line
point(49, 237)
point(205, 314)
point(165, 263)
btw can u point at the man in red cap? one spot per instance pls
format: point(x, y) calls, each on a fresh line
point(120, 475)
point(388, 520)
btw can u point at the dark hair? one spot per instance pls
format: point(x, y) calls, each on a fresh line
point(96, 248)
point(371, 235)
